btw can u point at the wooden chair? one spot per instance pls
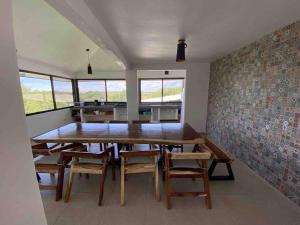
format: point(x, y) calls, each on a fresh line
point(131, 168)
point(88, 163)
point(185, 172)
point(48, 161)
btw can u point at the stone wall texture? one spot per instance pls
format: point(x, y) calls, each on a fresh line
point(254, 107)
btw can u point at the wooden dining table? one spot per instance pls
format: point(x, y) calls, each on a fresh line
point(147, 133)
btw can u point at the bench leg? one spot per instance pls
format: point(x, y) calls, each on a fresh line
point(212, 167)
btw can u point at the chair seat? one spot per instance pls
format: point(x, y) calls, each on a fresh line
point(139, 167)
point(92, 168)
point(90, 160)
point(51, 159)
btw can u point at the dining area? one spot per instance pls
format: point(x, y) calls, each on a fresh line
point(136, 173)
point(118, 151)
point(149, 112)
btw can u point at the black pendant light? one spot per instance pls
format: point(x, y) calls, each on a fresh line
point(181, 46)
point(90, 71)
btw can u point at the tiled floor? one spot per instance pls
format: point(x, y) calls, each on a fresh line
point(246, 201)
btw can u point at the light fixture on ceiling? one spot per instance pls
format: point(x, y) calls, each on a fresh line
point(181, 46)
point(90, 71)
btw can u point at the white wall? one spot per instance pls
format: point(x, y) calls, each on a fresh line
point(102, 75)
point(41, 67)
point(196, 95)
point(196, 90)
point(21, 202)
point(41, 123)
point(161, 74)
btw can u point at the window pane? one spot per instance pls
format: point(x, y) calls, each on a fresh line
point(37, 92)
point(173, 90)
point(116, 90)
point(90, 91)
point(63, 92)
point(151, 90)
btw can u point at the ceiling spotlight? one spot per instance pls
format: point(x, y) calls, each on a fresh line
point(181, 46)
point(90, 71)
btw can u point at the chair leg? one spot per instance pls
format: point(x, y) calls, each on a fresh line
point(60, 183)
point(206, 186)
point(157, 192)
point(102, 181)
point(69, 187)
point(168, 191)
point(122, 182)
point(113, 165)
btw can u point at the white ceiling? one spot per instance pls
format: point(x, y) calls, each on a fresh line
point(43, 35)
point(147, 30)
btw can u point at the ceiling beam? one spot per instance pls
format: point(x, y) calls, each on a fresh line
point(79, 14)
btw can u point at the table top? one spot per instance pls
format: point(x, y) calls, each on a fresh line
point(147, 133)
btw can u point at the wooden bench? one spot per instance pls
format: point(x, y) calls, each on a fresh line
point(219, 156)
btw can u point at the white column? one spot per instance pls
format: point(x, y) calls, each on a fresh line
point(21, 202)
point(196, 95)
point(132, 95)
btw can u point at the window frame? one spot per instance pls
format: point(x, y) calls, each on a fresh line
point(162, 89)
point(52, 91)
point(112, 79)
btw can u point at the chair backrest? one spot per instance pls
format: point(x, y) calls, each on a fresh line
point(78, 153)
point(40, 149)
point(190, 155)
point(148, 153)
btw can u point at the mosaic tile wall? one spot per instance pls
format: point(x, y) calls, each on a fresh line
point(254, 107)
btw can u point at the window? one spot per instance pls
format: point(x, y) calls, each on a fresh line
point(151, 90)
point(43, 92)
point(161, 90)
point(37, 92)
point(172, 90)
point(102, 90)
point(116, 90)
point(63, 92)
point(90, 91)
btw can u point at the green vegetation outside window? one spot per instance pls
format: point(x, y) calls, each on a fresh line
point(37, 92)
point(91, 90)
point(63, 92)
point(172, 90)
point(161, 90)
point(116, 90)
point(151, 90)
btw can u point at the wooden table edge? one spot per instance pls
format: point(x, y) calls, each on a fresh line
point(119, 140)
